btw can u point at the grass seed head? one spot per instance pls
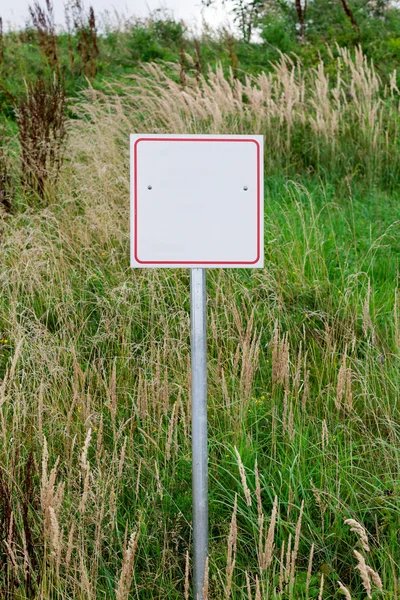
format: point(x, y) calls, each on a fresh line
point(357, 528)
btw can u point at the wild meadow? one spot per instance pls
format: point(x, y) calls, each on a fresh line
point(304, 355)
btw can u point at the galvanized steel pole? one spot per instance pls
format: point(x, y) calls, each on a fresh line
point(199, 428)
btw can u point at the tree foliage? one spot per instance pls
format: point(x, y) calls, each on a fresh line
point(312, 20)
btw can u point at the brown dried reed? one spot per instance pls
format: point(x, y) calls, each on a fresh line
point(360, 531)
point(41, 132)
point(345, 591)
point(127, 571)
point(5, 181)
point(362, 568)
point(344, 386)
point(280, 358)
point(44, 23)
point(86, 31)
point(187, 569)
point(231, 558)
point(266, 554)
point(309, 568)
point(243, 478)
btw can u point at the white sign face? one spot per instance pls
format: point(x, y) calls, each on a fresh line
point(197, 201)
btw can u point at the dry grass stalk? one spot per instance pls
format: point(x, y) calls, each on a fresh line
point(288, 416)
point(51, 497)
point(9, 542)
point(258, 497)
point(290, 504)
point(40, 409)
point(296, 544)
point(142, 397)
point(341, 382)
point(15, 359)
point(306, 387)
point(139, 471)
point(297, 373)
point(86, 470)
point(70, 545)
point(84, 463)
point(231, 558)
point(321, 589)
point(99, 441)
point(281, 567)
point(86, 588)
point(225, 392)
point(248, 587)
point(260, 539)
point(127, 572)
point(258, 589)
point(285, 411)
point(112, 392)
point(280, 358)
point(309, 569)
point(324, 435)
point(290, 422)
point(349, 392)
point(85, 493)
point(288, 558)
point(376, 580)
point(357, 528)
point(345, 591)
point(165, 392)
point(158, 480)
point(343, 388)
point(122, 458)
point(45, 459)
point(250, 348)
point(367, 321)
point(187, 568)
point(172, 429)
point(362, 568)
point(266, 559)
point(112, 509)
point(183, 420)
point(55, 539)
point(243, 478)
point(27, 562)
point(206, 575)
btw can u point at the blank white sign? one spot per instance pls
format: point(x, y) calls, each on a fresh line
point(197, 201)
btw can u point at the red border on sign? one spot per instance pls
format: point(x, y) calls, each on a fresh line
point(198, 262)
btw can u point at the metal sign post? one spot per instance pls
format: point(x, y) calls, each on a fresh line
point(199, 427)
point(197, 203)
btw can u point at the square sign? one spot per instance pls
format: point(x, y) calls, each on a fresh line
point(197, 201)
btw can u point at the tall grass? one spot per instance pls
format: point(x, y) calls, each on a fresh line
point(95, 471)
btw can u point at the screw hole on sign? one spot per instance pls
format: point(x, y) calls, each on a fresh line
point(149, 187)
point(245, 188)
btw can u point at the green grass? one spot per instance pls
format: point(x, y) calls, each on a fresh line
point(67, 290)
point(96, 355)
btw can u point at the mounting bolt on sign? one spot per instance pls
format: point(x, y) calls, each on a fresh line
point(205, 210)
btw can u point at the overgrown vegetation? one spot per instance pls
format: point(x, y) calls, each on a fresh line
point(304, 355)
point(41, 131)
